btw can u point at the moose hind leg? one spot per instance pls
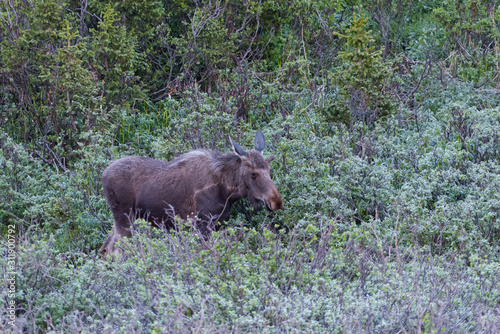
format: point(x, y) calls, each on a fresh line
point(120, 229)
point(109, 245)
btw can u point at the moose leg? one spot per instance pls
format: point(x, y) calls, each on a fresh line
point(206, 228)
point(120, 229)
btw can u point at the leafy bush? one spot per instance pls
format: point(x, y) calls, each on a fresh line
point(363, 81)
point(251, 280)
point(387, 164)
point(52, 197)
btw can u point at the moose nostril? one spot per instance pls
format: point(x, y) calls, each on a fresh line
point(276, 205)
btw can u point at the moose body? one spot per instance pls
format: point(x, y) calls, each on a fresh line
point(201, 186)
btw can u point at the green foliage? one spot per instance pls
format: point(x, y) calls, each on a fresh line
point(392, 19)
point(363, 80)
point(41, 59)
point(140, 18)
point(67, 204)
point(391, 219)
point(472, 28)
point(251, 280)
point(115, 58)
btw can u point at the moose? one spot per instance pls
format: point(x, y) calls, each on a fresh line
point(200, 186)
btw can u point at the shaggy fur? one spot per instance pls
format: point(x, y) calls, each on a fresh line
point(201, 185)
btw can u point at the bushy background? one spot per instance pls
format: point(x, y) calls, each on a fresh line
point(384, 117)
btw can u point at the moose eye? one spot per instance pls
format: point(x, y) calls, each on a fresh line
point(254, 175)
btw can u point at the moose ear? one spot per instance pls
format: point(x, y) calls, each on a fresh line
point(237, 148)
point(259, 141)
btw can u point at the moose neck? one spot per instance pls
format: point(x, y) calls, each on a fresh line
point(228, 167)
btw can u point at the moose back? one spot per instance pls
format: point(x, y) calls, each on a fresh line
point(201, 185)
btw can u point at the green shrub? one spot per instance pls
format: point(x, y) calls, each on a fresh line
point(362, 81)
point(391, 219)
point(251, 280)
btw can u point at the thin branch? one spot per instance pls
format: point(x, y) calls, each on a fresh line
point(427, 69)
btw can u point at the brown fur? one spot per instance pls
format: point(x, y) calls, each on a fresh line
point(200, 185)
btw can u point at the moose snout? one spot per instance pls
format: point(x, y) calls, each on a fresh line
point(275, 202)
point(278, 204)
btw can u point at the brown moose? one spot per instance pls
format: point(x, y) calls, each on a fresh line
point(201, 186)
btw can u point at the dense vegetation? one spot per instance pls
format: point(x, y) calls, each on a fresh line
point(384, 117)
